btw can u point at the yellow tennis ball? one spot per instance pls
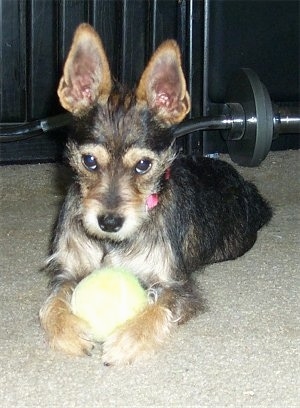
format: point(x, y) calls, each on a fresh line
point(106, 299)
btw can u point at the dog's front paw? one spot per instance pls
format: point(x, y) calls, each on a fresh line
point(65, 331)
point(124, 347)
point(139, 337)
point(73, 337)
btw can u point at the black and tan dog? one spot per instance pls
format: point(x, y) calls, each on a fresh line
point(135, 203)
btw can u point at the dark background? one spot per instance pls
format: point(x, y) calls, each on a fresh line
point(217, 37)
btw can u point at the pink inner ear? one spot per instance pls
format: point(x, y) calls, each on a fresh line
point(166, 86)
point(83, 86)
point(87, 93)
point(82, 75)
point(80, 89)
point(163, 99)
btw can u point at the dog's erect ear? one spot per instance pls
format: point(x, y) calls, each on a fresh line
point(86, 78)
point(162, 86)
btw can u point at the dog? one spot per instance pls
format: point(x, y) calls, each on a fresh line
point(135, 202)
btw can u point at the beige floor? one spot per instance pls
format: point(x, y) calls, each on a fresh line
point(243, 352)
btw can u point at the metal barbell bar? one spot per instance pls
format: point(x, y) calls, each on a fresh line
point(248, 122)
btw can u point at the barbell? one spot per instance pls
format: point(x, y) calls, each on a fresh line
point(248, 121)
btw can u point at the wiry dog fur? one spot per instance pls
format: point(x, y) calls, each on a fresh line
point(135, 203)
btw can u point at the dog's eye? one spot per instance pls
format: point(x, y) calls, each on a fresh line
point(143, 166)
point(90, 162)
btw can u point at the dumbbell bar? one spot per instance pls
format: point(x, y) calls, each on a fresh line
point(249, 120)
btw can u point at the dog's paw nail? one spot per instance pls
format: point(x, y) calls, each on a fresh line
point(88, 353)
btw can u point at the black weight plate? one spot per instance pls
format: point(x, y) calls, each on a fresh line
point(247, 89)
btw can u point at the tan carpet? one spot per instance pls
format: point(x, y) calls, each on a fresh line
point(243, 352)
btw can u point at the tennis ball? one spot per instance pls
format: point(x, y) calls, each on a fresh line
point(106, 299)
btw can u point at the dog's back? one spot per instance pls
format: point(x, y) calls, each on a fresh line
point(222, 210)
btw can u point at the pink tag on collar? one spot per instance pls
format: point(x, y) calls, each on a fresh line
point(152, 201)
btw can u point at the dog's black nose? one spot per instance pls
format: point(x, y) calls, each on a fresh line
point(110, 223)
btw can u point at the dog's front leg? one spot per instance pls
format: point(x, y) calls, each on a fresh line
point(141, 336)
point(65, 331)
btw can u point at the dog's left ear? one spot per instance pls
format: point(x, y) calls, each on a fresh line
point(162, 86)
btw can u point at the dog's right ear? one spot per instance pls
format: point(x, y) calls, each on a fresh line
point(86, 78)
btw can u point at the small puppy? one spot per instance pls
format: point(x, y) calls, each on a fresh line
point(136, 203)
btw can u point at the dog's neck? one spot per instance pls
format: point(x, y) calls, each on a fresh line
point(153, 199)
